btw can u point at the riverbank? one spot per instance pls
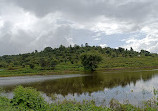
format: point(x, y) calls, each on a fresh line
point(31, 72)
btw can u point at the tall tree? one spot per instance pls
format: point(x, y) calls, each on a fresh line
point(90, 61)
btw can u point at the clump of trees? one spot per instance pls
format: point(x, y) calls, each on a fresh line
point(90, 60)
point(48, 63)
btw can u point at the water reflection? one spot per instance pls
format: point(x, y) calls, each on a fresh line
point(135, 86)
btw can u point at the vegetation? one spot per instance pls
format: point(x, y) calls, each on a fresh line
point(90, 61)
point(28, 99)
point(76, 58)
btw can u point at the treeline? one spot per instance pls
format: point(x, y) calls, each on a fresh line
point(50, 57)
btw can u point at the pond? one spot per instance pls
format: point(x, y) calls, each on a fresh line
point(133, 87)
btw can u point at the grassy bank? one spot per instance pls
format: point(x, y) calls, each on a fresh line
point(29, 72)
point(107, 64)
point(28, 99)
point(134, 62)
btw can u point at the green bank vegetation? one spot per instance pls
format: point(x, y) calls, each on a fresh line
point(28, 99)
point(76, 58)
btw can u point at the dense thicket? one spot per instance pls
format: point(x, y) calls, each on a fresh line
point(50, 57)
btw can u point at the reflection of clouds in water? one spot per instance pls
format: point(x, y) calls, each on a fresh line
point(135, 87)
point(134, 94)
point(146, 86)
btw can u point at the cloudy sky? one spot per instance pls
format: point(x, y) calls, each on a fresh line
point(26, 25)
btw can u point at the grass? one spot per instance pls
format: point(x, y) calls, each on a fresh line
point(68, 68)
point(28, 71)
point(122, 62)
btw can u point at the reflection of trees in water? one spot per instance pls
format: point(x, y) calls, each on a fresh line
point(94, 82)
point(147, 77)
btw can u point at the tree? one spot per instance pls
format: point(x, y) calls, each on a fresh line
point(32, 66)
point(131, 49)
point(90, 61)
point(86, 45)
point(36, 51)
point(53, 63)
point(145, 53)
point(48, 49)
point(43, 62)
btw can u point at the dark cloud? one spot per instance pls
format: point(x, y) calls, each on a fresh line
point(122, 9)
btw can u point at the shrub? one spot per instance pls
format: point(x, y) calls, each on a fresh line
point(5, 104)
point(32, 66)
point(28, 98)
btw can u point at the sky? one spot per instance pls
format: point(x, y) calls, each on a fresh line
point(28, 25)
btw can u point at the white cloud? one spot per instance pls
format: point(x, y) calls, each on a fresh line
point(26, 25)
point(109, 26)
point(103, 45)
point(97, 39)
point(21, 31)
point(150, 43)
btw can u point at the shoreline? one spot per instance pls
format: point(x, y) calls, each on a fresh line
point(64, 72)
point(129, 68)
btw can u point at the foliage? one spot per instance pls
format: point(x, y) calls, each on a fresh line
point(32, 66)
point(74, 106)
point(28, 98)
point(90, 61)
point(5, 104)
point(68, 58)
point(53, 64)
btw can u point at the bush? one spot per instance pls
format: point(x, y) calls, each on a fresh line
point(28, 98)
point(32, 66)
point(5, 104)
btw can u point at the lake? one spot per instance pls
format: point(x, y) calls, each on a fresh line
point(134, 86)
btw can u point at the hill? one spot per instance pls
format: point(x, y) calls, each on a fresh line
point(68, 58)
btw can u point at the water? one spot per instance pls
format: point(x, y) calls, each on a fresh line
point(1, 69)
point(133, 87)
